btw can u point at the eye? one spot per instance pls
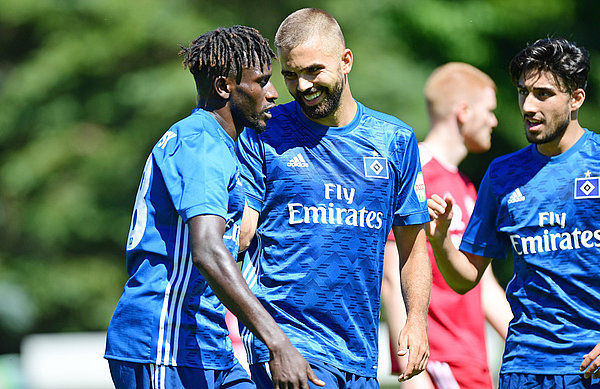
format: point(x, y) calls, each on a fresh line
point(289, 75)
point(522, 91)
point(264, 81)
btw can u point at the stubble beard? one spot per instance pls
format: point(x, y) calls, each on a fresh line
point(329, 104)
point(556, 133)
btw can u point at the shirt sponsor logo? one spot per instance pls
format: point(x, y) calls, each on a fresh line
point(587, 187)
point(297, 161)
point(555, 236)
point(420, 188)
point(376, 167)
point(338, 209)
point(516, 196)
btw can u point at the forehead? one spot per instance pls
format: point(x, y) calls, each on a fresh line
point(255, 72)
point(539, 79)
point(488, 98)
point(315, 51)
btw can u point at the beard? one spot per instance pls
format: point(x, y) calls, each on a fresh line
point(257, 124)
point(549, 136)
point(331, 101)
point(255, 120)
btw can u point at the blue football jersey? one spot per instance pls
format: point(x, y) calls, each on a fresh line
point(327, 199)
point(168, 315)
point(545, 209)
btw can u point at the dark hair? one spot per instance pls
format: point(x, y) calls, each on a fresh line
point(568, 63)
point(225, 52)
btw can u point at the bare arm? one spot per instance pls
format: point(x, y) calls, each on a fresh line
point(462, 271)
point(215, 263)
point(391, 299)
point(415, 280)
point(248, 227)
point(495, 306)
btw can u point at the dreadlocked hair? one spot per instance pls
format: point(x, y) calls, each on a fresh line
point(225, 52)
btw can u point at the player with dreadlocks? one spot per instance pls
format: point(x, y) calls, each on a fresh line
point(168, 330)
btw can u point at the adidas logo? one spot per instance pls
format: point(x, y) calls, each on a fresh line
point(297, 161)
point(516, 197)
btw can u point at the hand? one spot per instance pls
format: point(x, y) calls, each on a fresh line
point(413, 341)
point(591, 361)
point(290, 370)
point(440, 212)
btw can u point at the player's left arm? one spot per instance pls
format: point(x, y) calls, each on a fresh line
point(495, 306)
point(415, 279)
point(591, 362)
point(248, 227)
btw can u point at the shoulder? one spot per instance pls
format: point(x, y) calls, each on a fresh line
point(594, 138)
point(385, 121)
point(198, 130)
point(512, 161)
point(507, 172)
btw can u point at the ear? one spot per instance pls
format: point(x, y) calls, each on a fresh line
point(347, 60)
point(577, 99)
point(462, 112)
point(222, 87)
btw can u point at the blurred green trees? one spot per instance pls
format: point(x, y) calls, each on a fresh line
point(88, 86)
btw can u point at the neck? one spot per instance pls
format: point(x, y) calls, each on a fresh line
point(572, 134)
point(226, 121)
point(445, 143)
point(222, 113)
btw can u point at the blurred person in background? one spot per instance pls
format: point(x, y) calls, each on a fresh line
point(461, 100)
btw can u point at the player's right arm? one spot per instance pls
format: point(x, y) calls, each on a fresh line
point(209, 254)
point(461, 270)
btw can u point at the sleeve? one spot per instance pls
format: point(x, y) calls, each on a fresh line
point(411, 205)
point(251, 156)
point(197, 172)
point(481, 236)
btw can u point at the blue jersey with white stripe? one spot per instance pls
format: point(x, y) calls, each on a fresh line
point(168, 315)
point(545, 209)
point(327, 199)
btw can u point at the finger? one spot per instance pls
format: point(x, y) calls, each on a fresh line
point(303, 384)
point(591, 361)
point(313, 378)
point(593, 369)
point(438, 199)
point(435, 206)
point(402, 345)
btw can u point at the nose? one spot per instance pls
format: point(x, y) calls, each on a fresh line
point(494, 121)
point(528, 103)
point(271, 92)
point(304, 84)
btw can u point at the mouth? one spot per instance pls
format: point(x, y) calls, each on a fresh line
point(267, 112)
point(312, 98)
point(533, 124)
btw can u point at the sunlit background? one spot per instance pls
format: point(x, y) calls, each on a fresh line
point(88, 86)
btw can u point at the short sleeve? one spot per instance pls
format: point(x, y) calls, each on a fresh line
point(197, 173)
point(411, 204)
point(251, 157)
point(481, 236)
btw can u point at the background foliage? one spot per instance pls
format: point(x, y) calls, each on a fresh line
point(88, 86)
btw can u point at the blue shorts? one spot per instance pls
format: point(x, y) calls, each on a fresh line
point(129, 375)
point(332, 376)
point(540, 381)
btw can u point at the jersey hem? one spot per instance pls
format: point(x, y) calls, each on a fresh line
point(147, 361)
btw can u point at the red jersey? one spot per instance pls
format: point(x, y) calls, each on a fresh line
point(455, 323)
